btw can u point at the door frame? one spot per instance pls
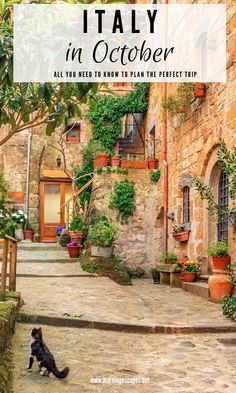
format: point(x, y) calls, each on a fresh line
point(43, 182)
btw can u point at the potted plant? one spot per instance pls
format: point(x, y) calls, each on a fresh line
point(180, 234)
point(28, 231)
point(168, 257)
point(64, 237)
point(115, 161)
point(76, 229)
point(73, 249)
point(102, 235)
point(152, 162)
point(59, 231)
point(19, 217)
point(199, 90)
point(219, 256)
point(220, 284)
point(188, 270)
point(155, 276)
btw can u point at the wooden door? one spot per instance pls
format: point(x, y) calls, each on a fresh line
point(53, 195)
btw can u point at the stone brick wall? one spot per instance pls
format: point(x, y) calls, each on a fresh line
point(139, 242)
point(192, 147)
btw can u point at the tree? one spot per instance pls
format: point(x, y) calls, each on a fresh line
point(227, 162)
point(28, 105)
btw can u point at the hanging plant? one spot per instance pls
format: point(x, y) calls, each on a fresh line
point(181, 101)
point(155, 176)
point(122, 199)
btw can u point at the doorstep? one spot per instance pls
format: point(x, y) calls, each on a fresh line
point(197, 288)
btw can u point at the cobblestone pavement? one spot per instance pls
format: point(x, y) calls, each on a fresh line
point(48, 268)
point(101, 299)
point(173, 363)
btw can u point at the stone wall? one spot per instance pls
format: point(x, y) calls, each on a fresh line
point(192, 147)
point(139, 242)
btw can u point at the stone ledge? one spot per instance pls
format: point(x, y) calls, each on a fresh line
point(122, 327)
point(197, 288)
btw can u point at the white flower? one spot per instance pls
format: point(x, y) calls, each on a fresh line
point(20, 212)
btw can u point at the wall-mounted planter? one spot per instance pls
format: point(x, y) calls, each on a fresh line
point(152, 163)
point(115, 162)
point(181, 236)
point(100, 160)
point(134, 164)
point(73, 139)
point(199, 90)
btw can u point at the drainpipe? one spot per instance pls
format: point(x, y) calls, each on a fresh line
point(28, 175)
point(165, 168)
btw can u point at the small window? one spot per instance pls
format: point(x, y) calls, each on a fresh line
point(223, 201)
point(73, 133)
point(186, 205)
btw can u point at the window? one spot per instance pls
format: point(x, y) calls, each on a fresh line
point(223, 201)
point(186, 205)
point(73, 133)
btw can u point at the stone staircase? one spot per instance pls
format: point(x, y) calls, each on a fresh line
point(199, 287)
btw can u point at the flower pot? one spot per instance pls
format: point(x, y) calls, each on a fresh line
point(28, 234)
point(188, 276)
point(156, 277)
point(115, 162)
point(220, 285)
point(169, 261)
point(199, 90)
point(19, 235)
point(134, 164)
point(181, 236)
point(219, 264)
point(76, 236)
point(73, 139)
point(104, 252)
point(73, 251)
point(100, 160)
point(152, 163)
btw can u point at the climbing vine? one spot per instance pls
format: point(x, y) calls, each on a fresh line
point(122, 199)
point(108, 111)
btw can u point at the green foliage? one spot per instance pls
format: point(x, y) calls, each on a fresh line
point(102, 233)
point(27, 105)
point(77, 224)
point(168, 255)
point(7, 222)
point(227, 162)
point(178, 228)
point(219, 249)
point(27, 225)
point(229, 306)
point(64, 238)
point(108, 170)
point(109, 110)
point(122, 198)
point(109, 267)
point(155, 176)
point(180, 102)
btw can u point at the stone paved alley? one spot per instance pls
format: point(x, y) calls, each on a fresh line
point(173, 363)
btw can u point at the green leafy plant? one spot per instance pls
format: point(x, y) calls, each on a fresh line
point(102, 233)
point(181, 101)
point(108, 110)
point(168, 255)
point(7, 223)
point(178, 228)
point(122, 199)
point(229, 306)
point(64, 237)
point(187, 266)
point(155, 176)
point(227, 162)
point(77, 224)
point(219, 249)
point(27, 225)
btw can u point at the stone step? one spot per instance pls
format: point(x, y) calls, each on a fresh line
point(197, 288)
point(30, 246)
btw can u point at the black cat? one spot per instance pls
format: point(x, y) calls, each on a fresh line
point(45, 359)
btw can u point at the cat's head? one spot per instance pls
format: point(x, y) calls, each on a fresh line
point(37, 333)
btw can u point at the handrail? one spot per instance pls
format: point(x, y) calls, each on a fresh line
point(9, 254)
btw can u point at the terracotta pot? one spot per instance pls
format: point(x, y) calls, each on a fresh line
point(100, 160)
point(188, 276)
point(152, 163)
point(220, 285)
point(199, 90)
point(181, 236)
point(220, 263)
point(73, 139)
point(28, 235)
point(76, 236)
point(73, 251)
point(115, 161)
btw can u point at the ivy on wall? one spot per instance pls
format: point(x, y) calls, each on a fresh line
point(122, 199)
point(108, 111)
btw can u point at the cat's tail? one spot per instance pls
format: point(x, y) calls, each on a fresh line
point(60, 374)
